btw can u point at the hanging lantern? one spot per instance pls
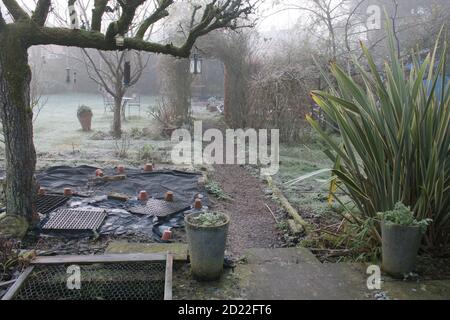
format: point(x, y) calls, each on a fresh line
point(127, 70)
point(196, 64)
point(68, 75)
point(74, 77)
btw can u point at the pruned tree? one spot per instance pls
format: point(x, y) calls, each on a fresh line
point(21, 29)
point(176, 79)
point(109, 75)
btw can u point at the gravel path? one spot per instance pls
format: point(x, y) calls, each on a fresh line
point(252, 225)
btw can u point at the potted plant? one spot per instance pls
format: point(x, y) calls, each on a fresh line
point(401, 238)
point(84, 114)
point(207, 235)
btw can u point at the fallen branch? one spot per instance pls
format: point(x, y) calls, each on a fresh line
point(287, 206)
point(273, 215)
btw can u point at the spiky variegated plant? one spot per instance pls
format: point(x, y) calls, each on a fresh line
point(395, 137)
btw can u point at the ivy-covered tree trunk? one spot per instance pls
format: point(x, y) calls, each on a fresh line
point(16, 115)
point(235, 93)
point(177, 82)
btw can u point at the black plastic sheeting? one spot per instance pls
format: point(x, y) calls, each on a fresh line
point(183, 184)
point(119, 221)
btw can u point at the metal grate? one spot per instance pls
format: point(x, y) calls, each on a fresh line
point(75, 219)
point(159, 208)
point(49, 202)
point(107, 281)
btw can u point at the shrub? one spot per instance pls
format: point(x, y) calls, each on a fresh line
point(147, 152)
point(122, 146)
point(395, 138)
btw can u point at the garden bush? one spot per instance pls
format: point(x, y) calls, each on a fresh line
point(395, 137)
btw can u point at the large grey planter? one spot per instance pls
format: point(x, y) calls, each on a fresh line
point(400, 245)
point(206, 248)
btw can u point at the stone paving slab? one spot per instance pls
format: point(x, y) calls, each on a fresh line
point(422, 290)
point(281, 256)
point(295, 274)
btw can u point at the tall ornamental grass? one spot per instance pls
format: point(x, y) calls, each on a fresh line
point(395, 136)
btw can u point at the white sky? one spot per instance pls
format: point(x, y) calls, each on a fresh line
point(273, 18)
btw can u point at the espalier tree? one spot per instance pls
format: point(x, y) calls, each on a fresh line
point(22, 29)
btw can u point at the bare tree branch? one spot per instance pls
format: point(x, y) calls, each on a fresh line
point(99, 79)
point(41, 12)
point(97, 14)
point(15, 10)
point(2, 21)
point(157, 15)
point(217, 14)
point(121, 26)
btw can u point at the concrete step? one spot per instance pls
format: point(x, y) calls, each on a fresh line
point(280, 256)
point(296, 274)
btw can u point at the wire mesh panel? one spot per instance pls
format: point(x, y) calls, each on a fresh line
point(159, 208)
point(98, 281)
point(49, 202)
point(75, 219)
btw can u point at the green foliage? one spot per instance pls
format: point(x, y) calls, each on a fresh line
point(359, 238)
point(146, 152)
point(402, 215)
point(209, 219)
point(214, 188)
point(9, 257)
point(83, 109)
point(395, 137)
point(122, 146)
point(136, 133)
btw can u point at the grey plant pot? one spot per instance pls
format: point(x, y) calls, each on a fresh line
point(206, 248)
point(400, 245)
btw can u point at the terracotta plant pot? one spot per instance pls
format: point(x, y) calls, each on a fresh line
point(148, 167)
point(167, 235)
point(84, 115)
point(169, 196)
point(68, 192)
point(198, 204)
point(143, 196)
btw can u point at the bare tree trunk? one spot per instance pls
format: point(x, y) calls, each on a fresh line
point(117, 121)
point(17, 119)
point(226, 95)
